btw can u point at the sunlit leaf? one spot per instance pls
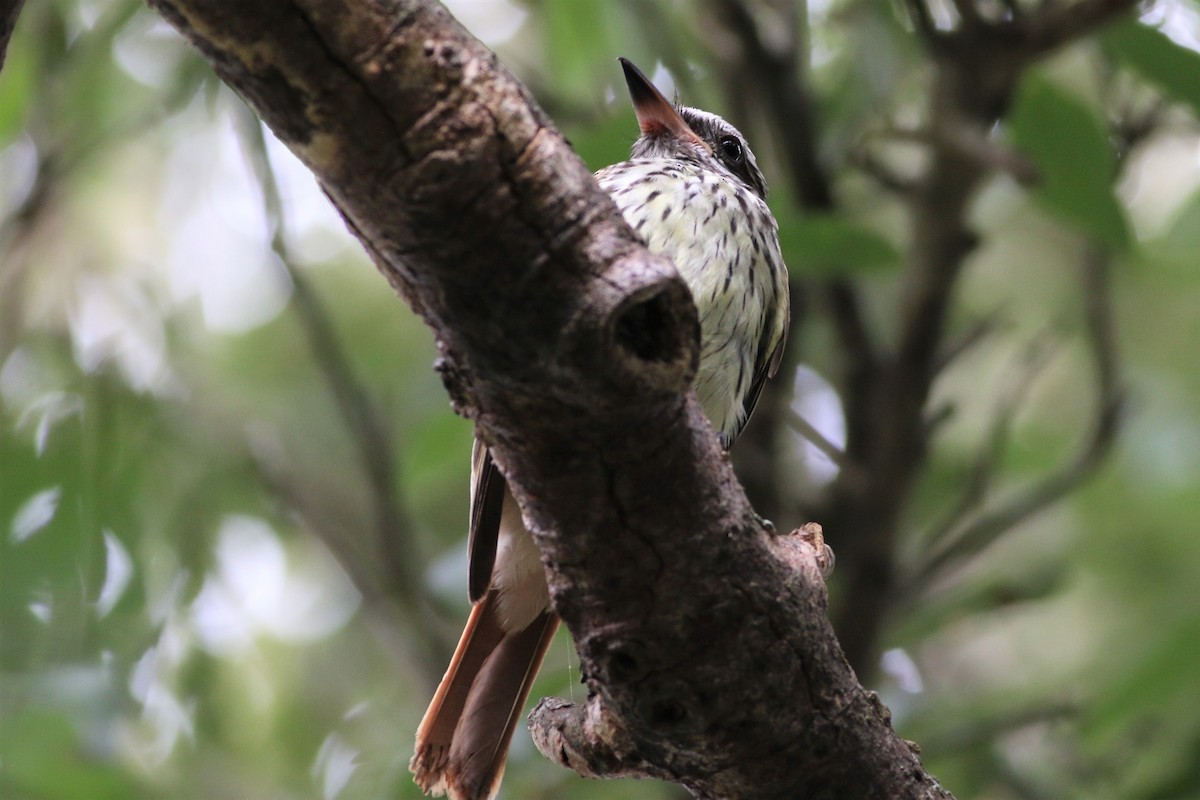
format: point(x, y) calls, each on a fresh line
point(1068, 143)
point(118, 569)
point(35, 514)
point(46, 412)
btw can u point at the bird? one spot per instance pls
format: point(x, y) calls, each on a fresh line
point(692, 191)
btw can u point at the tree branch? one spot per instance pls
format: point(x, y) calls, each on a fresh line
point(1101, 337)
point(9, 11)
point(1060, 23)
point(978, 67)
point(918, 14)
point(817, 439)
point(979, 477)
point(572, 349)
point(787, 99)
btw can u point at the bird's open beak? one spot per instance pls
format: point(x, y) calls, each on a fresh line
point(655, 114)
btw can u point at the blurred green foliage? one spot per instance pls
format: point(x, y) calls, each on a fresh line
point(178, 482)
point(1070, 148)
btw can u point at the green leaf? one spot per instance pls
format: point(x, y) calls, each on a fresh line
point(605, 141)
point(1150, 53)
point(46, 758)
point(827, 245)
point(580, 43)
point(17, 85)
point(1163, 676)
point(1070, 147)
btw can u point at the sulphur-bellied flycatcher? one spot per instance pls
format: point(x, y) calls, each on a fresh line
point(693, 192)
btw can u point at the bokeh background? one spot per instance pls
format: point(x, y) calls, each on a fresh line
point(233, 493)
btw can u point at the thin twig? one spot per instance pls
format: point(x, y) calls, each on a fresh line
point(875, 169)
point(971, 142)
point(780, 70)
point(918, 13)
point(1101, 338)
point(818, 440)
point(1057, 24)
point(976, 72)
point(979, 479)
point(968, 340)
point(393, 537)
point(968, 14)
point(975, 144)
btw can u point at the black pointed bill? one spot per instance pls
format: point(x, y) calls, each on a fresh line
point(655, 114)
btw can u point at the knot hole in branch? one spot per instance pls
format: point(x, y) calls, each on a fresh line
point(658, 325)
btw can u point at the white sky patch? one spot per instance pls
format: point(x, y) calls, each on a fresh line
point(315, 232)
point(492, 21)
point(256, 590)
point(165, 717)
point(220, 251)
point(816, 401)
point(42, 609)
point(447, 574)
point(34, 514)
point(118, 569)
point(664, 80)
point(113, 319)
point(335, 763)
point(1178, 20)
point(148, 49)
point(899, 665)
point(1159, 181)
point(23, 378)
point(88, 12)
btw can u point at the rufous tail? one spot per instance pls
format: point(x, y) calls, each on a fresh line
point(463, 739)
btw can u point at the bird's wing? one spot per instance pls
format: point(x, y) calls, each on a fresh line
point(487, 498)
point(766, 361)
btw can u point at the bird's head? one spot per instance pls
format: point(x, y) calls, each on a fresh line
point(670, 131)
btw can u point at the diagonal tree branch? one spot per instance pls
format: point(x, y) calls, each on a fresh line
point(572, 349)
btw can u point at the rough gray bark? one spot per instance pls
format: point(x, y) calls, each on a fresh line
point(702, 638)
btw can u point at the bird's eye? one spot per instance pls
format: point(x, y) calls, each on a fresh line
point(732, 150)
